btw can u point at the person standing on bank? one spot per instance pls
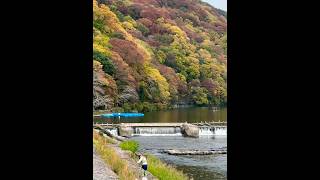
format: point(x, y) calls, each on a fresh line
point(143, 159)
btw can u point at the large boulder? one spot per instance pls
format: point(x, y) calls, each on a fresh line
point(190, 130)
point(125, 131)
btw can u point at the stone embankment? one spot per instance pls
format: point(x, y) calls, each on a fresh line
point(101, 171)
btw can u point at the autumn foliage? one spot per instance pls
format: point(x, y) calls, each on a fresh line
point(158, 52)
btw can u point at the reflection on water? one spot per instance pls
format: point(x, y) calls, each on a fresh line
point(191, 114)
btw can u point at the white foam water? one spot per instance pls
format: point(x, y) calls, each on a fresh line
point(206, 131)
point(157, 131)
point(113, 131)
point(220, 131)
point(212, 131)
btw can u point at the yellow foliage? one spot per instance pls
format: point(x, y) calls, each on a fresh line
point(182, 77)
point(100, 39)
point(182, 44)
point(132, 21)
point(103, 13)
point(110, 20)
point(212, 18)
point(177, 30)
point(206, 56)
point(127, 25)
point(160, 80)
point(100, 48)
point(172, 28)
point(207, 42)
point(96, 65)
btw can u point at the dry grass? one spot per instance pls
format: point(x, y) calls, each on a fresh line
point(119, 166)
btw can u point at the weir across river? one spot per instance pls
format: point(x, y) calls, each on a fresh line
point(165, 129)
point(162, 124)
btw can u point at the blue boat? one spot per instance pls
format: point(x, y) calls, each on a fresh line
point(110, 115)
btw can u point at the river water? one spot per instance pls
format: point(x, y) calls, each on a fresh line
point(203, 167)
point(207, 167)
point(190, 114)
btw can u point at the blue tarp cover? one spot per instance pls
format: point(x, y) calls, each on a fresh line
point(123, 115)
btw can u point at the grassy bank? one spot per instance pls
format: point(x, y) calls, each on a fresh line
point(130, 146)
point(164, 171)
point(119, 166)
point(155, 166)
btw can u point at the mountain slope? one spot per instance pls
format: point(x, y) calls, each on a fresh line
point(149, 54)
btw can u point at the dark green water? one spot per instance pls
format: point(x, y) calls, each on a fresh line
point(190, 114)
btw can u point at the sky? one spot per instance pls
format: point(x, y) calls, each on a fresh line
point(220, 4)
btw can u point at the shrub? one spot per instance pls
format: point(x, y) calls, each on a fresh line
point(118, 35)
point(130, 146)
point(143, 29)
point(148, 107)
point(99, 25)
point(126, 107)
point(138, 107)
point(107, 64)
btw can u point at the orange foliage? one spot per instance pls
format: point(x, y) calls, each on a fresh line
point(128, 51)
point(153, 13)
point(124, 72)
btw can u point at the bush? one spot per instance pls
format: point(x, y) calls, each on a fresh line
point(164, 38)
point(160, 106)
point(130, 146)
point(118, 35)
point(117, 109)
point(99, 25)
point(107, 64)
point(126, 107)
point(143, 29)
point(148, 107)
point(134, 12)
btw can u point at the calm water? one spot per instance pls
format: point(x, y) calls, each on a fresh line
point(191, 114)
point(208, 167)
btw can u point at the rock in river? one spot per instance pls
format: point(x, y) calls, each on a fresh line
point(125, 131)
point(190, 130)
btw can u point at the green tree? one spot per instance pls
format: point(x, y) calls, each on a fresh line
point(108, 66)
point(143, 29)
point(199, 96)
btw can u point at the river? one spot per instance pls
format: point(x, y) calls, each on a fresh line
point(190, 114)
point(207, 167)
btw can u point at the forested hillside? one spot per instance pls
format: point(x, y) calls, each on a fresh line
point(151, 54)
